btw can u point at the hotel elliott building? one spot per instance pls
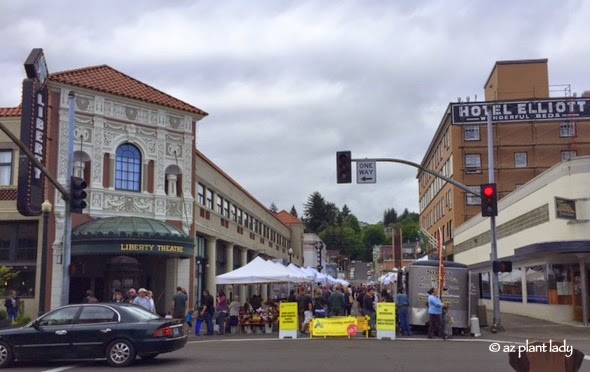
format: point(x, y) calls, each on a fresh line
point(522, 150)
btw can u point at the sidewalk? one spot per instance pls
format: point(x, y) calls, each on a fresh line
point(517, 328)
point(520, 328)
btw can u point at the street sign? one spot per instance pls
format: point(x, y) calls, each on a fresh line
point(366, 171)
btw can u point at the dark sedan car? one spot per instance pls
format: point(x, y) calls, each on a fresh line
point(117, 332)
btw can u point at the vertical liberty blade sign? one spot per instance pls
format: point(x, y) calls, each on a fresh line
point(33, 134)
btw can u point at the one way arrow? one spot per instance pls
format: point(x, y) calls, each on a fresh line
point(366, 178)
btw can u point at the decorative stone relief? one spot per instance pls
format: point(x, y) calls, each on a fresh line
point(174, 150)
point(160, 171)
point(143, 205)
point(97, 162)
point(96, 200)
point(82, 103)
point(174, 122)
point(151, 145)
point(63, 149)
point(82, 134)
point(99, 105)
point(131, 113)
point(146, 132)
point(109, 137)
point(160, 207)
point(172, 137)
point(117, 203)
point(161, 118)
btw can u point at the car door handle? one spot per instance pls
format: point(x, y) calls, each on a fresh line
point(61, 333)
point(106, 330)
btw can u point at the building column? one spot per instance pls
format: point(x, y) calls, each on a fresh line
point(584, 290)
point(211, 269)
point(523, 283)
point(112, 164)
point(182, 276)
point(264, 291)
point(229, 265)
point(243, 262)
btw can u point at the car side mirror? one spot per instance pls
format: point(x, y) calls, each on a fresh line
point(36, 325)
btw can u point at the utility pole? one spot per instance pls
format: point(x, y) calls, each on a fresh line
point(495, 283)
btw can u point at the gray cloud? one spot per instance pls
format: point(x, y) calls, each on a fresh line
point(289, 83)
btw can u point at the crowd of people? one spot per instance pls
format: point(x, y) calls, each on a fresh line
point(319, 302)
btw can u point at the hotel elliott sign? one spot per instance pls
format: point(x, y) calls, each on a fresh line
point(521, 111)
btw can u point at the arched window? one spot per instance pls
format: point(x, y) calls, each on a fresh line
point(128, 168)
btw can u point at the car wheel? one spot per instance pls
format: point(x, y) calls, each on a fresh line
point(5, 355)
point(120, 353)
point(149, 356)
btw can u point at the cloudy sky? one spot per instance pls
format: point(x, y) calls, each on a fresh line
point(289, 83)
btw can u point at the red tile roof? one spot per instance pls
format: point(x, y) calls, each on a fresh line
point(108, 80)
point(287, 218)
point(9, 111)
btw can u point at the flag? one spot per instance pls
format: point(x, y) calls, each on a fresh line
point(418, 249)
point(441, 266)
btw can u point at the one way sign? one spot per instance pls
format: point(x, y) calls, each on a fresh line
point(366, 171)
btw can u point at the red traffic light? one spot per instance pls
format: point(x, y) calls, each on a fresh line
point(488, 191)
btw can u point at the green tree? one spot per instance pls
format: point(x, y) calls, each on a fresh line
point(353, 223)
point(273, 208)
point(373, 235)
point(410, 226)
point(294, 212)
point(343, 239)
point(315, 213)
point(345, 211)
point(389, 217)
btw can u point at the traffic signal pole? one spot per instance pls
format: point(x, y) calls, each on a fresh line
point(497, 325)
point(67, 242)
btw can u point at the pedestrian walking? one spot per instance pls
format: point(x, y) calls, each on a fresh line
point(435, 315)
point(402, 303)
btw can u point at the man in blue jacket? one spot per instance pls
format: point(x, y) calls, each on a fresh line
point(435, 307)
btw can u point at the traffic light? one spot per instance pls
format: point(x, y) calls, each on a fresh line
point(502, 266)
point(343, 167)
point(77, 194)
point(489, 200)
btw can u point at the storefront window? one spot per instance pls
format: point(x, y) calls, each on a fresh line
point(536, 284)
point(484, 290)
point(23, 283)
point(510, 286)
point(560, 287)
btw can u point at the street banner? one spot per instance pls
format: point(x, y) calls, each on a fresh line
point(288, 316)
point(345, 326)
point(386, 316)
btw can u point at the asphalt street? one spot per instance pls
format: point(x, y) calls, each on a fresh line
point(265, 352)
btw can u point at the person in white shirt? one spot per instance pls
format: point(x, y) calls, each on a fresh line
point(143, 301)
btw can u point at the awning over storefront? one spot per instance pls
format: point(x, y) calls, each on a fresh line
point(130, 236)
point(568, 246)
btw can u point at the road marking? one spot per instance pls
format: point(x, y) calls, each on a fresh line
point(60, 369)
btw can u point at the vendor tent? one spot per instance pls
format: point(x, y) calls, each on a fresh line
point(296, 270)
point(257, 271)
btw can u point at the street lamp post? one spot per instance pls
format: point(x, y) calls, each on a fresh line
point(318, 247)
point(290, 254)
point(46, 209)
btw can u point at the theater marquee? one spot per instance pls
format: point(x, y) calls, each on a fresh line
point(521, 111)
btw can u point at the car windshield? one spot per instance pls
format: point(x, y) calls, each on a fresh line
point(140, 313)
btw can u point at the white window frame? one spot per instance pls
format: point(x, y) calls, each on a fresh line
point(7, 166)
point(472, 199)
point(471, 169)
point(567, 129)
point(520, 160)
point(568, 155)
point(471, 133)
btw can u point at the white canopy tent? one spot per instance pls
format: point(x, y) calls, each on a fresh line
point(257, 271)
point(297, 270)
point(298, 277)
